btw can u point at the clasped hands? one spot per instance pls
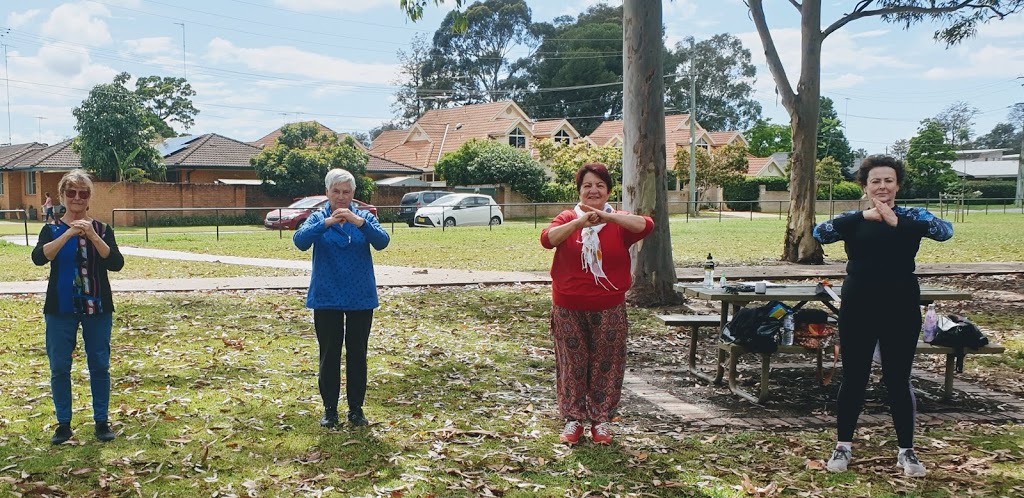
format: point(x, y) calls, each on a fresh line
point(593, 216)
point(341, 215)
point(881, 212)
point(82, 228)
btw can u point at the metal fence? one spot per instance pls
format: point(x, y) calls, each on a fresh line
point(24, 218)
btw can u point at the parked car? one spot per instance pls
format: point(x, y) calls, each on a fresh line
point(460, 210)
point(293, 216)
point(414, 200)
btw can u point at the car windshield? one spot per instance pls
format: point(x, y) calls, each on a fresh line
point(307, 202)
point(448, 200)
point(409, 199)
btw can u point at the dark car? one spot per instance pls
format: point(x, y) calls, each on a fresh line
point(414, 200)
point(295, 214)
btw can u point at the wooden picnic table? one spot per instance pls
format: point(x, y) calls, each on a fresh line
point(801, 294)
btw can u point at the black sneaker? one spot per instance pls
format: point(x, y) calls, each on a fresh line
point(103, 432)
point(330, 418)
point(356, 418)
point(62, 434)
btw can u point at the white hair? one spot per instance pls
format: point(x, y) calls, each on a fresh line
point(338, 175)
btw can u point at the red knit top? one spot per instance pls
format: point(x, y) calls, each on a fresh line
point(572, 286)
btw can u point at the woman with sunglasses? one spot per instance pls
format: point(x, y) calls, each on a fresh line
point(80, 250)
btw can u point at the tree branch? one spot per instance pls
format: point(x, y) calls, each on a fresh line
point(859, 13)
point(771, 53)
point(796, 4)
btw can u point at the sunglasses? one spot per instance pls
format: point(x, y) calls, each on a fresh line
point(81, 194)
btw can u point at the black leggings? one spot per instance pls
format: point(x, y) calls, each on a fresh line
point(333, 327)
point(887, 313)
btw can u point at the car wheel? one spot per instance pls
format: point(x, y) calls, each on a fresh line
point(299, 223)
point(495, 220)
point(411, 223)
point(449, 222)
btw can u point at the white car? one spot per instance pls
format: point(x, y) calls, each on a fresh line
point(459, 210)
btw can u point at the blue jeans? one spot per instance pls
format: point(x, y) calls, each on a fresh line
point(61, 336)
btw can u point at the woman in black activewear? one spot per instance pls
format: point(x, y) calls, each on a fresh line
point(881, 303)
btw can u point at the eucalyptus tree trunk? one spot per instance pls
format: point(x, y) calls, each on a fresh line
point(643, 153)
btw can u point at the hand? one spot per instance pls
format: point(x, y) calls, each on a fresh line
point(872, 215)
point(885, 212)
point(588, 220)
point(341, 215)
point(595, 215)
point(84, 228)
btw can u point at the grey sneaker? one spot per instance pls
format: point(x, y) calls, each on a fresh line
point(911, 465)
point(839, 460)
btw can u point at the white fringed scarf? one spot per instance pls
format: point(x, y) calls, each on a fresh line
point(592, 256)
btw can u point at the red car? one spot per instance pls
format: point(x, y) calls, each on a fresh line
point(295, 214)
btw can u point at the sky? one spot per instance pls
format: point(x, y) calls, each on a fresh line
point(257, 64)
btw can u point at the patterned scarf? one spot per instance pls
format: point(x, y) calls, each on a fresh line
point(592, 256)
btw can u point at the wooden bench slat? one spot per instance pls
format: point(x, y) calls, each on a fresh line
point(683, 320)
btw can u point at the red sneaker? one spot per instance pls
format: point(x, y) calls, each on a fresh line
point(572, 432)
point(600, 433)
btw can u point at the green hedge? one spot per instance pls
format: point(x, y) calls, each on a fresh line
point(842, 191)
point(774, 183)
point(992, 189)
point(739, 195)
point(192, 220)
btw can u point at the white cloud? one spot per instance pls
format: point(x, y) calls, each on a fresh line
point(64, 60)
point(335, 5)
point(78, 23)
point(874, 33)
point(300, 63)
point(845, 80)
point(19, 19)
point(151, 46)
point(1010, 27)
point(986, 61)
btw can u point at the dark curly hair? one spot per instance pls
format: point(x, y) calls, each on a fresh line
point(877, 160)
point(598, 169)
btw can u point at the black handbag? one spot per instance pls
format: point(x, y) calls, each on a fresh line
point(957, 332)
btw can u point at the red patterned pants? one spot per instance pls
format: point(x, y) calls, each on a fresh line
point(590, 361)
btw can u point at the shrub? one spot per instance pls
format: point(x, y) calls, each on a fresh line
point(774, 183)
point(211, 219)
point(842, 191)
point(743, 195)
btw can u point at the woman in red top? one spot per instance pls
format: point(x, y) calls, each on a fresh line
point(590, 275)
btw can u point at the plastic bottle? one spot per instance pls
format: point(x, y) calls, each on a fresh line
point(721, 280)
point(709, 272)
point(931, 323)
point(787, 330)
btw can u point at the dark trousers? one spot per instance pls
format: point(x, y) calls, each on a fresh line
point(334, 327)
point(887, 313)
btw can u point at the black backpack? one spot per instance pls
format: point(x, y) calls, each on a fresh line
point(957, 332)
point(755, 329)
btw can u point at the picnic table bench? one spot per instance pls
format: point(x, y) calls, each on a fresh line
point(729, 354)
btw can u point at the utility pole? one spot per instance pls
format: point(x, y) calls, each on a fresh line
point(184, 68)
point(693, 130)
point(7, 80)
point(1020, 163)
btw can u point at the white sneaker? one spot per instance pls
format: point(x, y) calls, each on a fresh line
point(911, 465)
point(839, 460)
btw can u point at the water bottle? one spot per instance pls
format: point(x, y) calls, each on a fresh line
point(709, 272)
point(931, 323)
point(787, 330)
point(721, 280)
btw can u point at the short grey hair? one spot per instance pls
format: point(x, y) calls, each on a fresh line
point(338, 175)
point(74, 178)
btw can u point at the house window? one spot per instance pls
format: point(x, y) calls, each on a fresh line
point(563, 136)
point(517, 138)
point(703, 144)
point(30, 182)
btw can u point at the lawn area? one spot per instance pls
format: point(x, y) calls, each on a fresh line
point(515, 246)
point(215, 395)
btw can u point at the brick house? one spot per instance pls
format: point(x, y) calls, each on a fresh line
point(440, 131)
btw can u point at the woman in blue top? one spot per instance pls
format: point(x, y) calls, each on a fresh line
point(80, 251)
point(881, 303)
point(342, 292)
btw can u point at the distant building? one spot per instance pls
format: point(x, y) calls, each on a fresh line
point(986, 164)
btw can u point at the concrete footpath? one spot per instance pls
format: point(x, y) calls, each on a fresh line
point(402, 276)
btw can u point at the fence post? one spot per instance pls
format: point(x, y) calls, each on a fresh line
point(280, 226)
point(25, 221)
point(145, 212)
point(535, 215)
point(216, 217)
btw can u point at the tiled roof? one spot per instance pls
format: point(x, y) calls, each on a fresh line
point(379, 165)
point(547, 127)
point(756, 164)
point(59, 156)
point(719, 138)
point(610, 129)
point(445, 130)
point(9, 154)
point(212, 151)
point(269, 139)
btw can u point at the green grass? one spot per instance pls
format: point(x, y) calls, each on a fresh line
point(515, 246)
point(215, 395)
